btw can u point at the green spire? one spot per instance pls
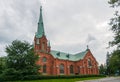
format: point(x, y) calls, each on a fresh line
point(40, 29)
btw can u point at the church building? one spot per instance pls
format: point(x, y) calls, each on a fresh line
point(54, 62)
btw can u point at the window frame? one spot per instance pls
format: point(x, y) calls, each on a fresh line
point(37, 41)
point(61, 68)
point(71, 69)
point(44, 68)
point(44, 59)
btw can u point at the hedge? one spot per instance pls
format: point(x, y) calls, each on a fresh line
point(41, 77)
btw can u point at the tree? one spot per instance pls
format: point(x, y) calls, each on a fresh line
point(114, 3)
point(115, 24)
point(22, 58)
point(102, 69)
point(115, 62)
point(115, 27)
point(2, 64)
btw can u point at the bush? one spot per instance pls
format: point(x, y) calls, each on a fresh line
point(10, 71)
point(10, 74)
point(30, 77)
point(9, 77)
point(40, 77)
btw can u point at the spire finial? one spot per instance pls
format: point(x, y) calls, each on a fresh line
point(87, 47)
point(40, 8)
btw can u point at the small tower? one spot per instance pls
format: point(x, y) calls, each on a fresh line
point(40, 40)
point(49, 47)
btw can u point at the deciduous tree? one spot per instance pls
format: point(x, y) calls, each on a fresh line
point(115, 27)
point(21, 57)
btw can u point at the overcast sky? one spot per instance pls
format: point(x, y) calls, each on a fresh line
point(70, 25)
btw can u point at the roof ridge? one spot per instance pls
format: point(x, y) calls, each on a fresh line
point(81, 52)
point(70, 53)
point(62, 52)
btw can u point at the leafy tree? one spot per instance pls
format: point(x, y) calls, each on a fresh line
point(21, 57)
point(114, 3)
point(102, 69)
point(115, 61)
point(2, 64)
point(115, 24)
point(115, 27)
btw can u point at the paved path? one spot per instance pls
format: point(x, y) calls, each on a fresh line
point(107, 79)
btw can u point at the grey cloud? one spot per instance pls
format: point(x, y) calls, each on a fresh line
point(17, 19)
point(68, 23)
point(90, 38)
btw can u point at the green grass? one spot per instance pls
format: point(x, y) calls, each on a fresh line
point(62, 80)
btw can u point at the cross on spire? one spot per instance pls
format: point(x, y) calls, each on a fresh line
point(87, 47)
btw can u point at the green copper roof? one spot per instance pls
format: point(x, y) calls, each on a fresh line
point(66, 56)
point(40, 30)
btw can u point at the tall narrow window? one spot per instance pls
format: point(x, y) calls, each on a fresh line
point(61, 69)
point(44, 68)
point(78, 69)
point(43, 46)
point(71, 69)
point(89, 63)
point(37, 41)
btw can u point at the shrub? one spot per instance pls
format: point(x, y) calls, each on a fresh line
point(10, 71)
point(41, 77)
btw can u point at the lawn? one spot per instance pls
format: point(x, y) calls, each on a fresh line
point(61, 80)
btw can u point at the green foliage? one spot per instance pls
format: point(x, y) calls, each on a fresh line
point(102, 69)
point(20, 61)
point(21, 57)
point(39, 77)
point(115, 27)
point(115, 24)
point(20, 54)
point(9, 74)
point(114, 3)
point(2, 64)
point(10, 71)
point(115, 62)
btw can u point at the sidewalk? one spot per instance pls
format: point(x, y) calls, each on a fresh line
point(107, 79)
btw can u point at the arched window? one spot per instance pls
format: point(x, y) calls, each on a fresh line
point(44, 59)
point(37, 41)
point(44, 68)
point(43, 46)
point(89, 63)
point(71, 69)
point(61, 69)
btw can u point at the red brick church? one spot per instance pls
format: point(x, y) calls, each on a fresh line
point(54, 62)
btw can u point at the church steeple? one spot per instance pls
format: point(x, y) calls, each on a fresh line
point(40, 30)
point(41, 42)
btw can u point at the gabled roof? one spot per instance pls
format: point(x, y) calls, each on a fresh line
point(66, 56)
